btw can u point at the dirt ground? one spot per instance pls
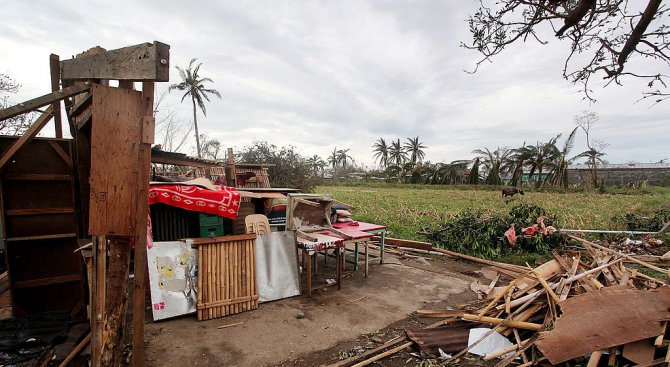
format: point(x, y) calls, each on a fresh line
point(310, 332)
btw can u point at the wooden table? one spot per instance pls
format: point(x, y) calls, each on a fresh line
point(324, 242)
point(368, 228)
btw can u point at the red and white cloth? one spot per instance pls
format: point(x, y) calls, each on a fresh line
point(224, 201)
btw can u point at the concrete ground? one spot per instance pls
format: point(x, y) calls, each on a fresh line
point(277, 331)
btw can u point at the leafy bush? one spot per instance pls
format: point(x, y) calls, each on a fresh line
point(477, 233)
point(637, 222)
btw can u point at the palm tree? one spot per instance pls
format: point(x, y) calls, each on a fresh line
point(494, 162)
point(560, 173)
point(541, 156)
point(343, 156)
point(381, 150)
point(316, 163)
point(415, 148)
point(593, 158)
point(397, 154)
point(194, 87)
point(333, 159)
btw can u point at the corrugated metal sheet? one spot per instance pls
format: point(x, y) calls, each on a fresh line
point(451, 338)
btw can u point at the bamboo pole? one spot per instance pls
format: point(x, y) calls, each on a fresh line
point(511, 323)
point(383, 355)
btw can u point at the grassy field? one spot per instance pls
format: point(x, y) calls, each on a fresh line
point(408, 209)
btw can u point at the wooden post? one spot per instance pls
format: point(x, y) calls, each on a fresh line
point(114, 318)
point(98, 297)
point(54, 65)
point(230, 170)
point(143, 211)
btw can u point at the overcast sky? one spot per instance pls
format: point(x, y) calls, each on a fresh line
point(326, 74)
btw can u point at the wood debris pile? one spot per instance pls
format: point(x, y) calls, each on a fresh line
point(589, 307)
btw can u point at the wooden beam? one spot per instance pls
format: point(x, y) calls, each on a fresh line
point(143, 209)
point(143, 62)
point(42, 101)
point(32, 131)
point(54, 65)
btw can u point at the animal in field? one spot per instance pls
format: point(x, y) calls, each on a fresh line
point(511, 191)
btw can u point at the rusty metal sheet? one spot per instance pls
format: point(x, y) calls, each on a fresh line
point(602, 319)
point(450, 338)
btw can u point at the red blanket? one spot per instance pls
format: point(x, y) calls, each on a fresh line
point(224, 201)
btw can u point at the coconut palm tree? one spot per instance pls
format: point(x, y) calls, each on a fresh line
point(316, 163)
point(397, 153)
point(343, 156)
point(333, 158)
point(381, 152)
point(415, 149)
point(541, 156)
point(560, 172)
point(194, 86)
point(494, 163)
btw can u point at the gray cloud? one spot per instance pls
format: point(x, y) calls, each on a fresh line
point(322, 74)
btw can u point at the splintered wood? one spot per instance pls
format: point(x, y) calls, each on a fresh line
point(604, 307)
point(585, 308)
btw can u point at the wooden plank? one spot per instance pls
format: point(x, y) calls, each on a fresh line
point(62, 153)
point(604, 319)
point(43, 237)
point(143, 62)
point(211, 240)
point(37, 177)
point(42, 101)
point(80, 105)
point(405, 243)
point(115, 134)
point(144, 162)
point(32, 131)
point(46, 281)
point(640, 352)
point(510, 323)
point(40, 211)
point(54, 66)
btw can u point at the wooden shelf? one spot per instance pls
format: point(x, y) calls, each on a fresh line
point(45, 281)
point(44, 237)
point(41, 211)
point(37, 177)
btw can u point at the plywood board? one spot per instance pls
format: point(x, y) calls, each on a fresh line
point(115, 143)
point(602, 319)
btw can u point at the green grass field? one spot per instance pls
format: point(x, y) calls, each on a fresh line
point(408, 209)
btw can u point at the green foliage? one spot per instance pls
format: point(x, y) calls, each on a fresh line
point(481, 234)
point(638, 222)
point(289, 169)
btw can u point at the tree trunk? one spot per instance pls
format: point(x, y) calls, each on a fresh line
point(195, 125)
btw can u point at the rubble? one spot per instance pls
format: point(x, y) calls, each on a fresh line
point(582, 306)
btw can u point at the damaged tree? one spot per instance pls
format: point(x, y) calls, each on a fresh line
point(611, 33)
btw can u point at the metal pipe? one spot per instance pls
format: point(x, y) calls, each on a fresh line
point(604, 231)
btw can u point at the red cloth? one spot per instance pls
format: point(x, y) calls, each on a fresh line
point(224, 201)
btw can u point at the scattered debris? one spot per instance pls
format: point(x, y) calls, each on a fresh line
point(582, 303)
point(230, 325)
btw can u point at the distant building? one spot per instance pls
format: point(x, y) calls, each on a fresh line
point(622, 174)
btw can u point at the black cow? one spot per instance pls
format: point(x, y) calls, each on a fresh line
point(510, 191)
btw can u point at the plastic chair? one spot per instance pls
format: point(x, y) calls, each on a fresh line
point(257, 223)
